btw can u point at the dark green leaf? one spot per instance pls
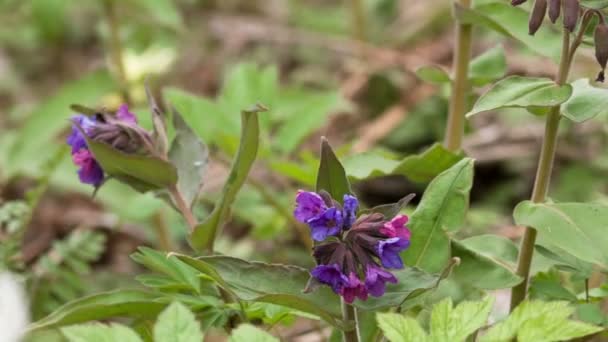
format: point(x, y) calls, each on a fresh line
point(547, 286)
point(433, 74)
point(331, 176)
point(390, 210)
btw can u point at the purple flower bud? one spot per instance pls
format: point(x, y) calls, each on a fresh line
point(353, 288)
point(90, 172)
point(330, 275)
point(537, 16)
point(349, 212)
point(329, 223)
point(517, 2)
point(308, 206)
point(601, 48)
point(389, 249)
point(329, 253)
point(376, 279)
point(124, 115)
point(76, 139)
point(555, 7)
point(571, 13)
point(396, 228)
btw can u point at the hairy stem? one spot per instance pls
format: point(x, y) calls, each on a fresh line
point(116, 47)
point(358, 20)
point(543, 177)
point(349, 314)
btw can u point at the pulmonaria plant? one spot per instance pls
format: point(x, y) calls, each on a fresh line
point(355, 253)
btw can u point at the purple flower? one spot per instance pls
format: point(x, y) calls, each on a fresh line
point(349, 211)
point(353, 288)
point(76, 139)
point(396, 228)
point(124, 115)
point(330, 275)
point(376, 279)
point(309, 205)
point(389, 249)
point(90, 172)
point(329, 223)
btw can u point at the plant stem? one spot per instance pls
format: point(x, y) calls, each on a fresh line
point(359, 21)
point(183, 208)
point(349, 314)
point(460, 84)
point(116, 48)
point(543, 178)
point(162, 231)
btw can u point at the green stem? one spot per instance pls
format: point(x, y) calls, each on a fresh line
point(349, 314)
point(460, 85)
point(183, 208)
point(116, 48)
point(543, 178)
point(359, 21)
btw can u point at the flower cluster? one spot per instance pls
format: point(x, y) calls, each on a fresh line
point(115, 130)
point(355, 253)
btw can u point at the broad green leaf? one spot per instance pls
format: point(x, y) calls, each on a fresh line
point(331, 176)
point(597, 4)
point(398, 328)
point(143, 173)
point(174, 268)
point(547, 286)
point(486, 262)
point(511, 21)
point(97, 332)
point(519, 91)
point(564, 261)
point(586, 101)
point(456, 324)
point(489, 66)
point(441, 210)
point(177, 324)
point(433, 74)
point(131, 303)
point(412, 283)
point(190, 156)
point(418, 168)
point(578, 228)
point(164, 12)
point(206, 232)
point(249, 333)
point(269, 283)
point(539, 321)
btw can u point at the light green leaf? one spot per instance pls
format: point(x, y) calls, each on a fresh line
point(578, 228)
point(456, 324)
point(177, 324)
point(597, 4)
point(205, 233)
point(441, 210)
point(418, 168)
point(486, 262)
point(174, 268)
point(489, 66)
point(97, 332)
point(398, 328)
point(249, 333)
point(164, 12)
point(586, 102)
point(331, 176)
point(433, 74)
point(518, 91)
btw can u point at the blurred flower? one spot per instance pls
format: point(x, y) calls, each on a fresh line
point(356, 252)
point(90, 172)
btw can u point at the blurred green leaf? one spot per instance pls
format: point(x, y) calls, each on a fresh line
point(547, 286)
point(488, 67)
point(177, 324)
point(249, 333)
point(586, 101)
point(441, 210)
point(433, 74)
point(164, 12)
point(331, 176)
point(518, 91)
point(98, 332)
point(597, 4)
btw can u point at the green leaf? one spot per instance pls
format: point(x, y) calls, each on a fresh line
point(398, 328)
point(486, 262)
point(489, 66)
point(547, 286)
point(578, 228)
point(518, 91)
point(205, 233)
point(177, 324)
point(331, 176)
point(586, 102)
point(269, 283)
point(97, 332)
point(539, 321)
point(433, 74)
point(129, 303)
point(412, 283)
point(174, 268)
point(441, 210)
point(190, 156)
point(249, 333)
point(564, 261)
point(418, 168)
point(597, 4)
point(456, 324)
point(164, 12)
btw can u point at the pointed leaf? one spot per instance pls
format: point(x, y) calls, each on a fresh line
point(586, 102)
point(456, 324)
point(177, 324)
point(398, 328)
point(433, 74)
point(100, 333)
point(331, 176)
point(174, 268)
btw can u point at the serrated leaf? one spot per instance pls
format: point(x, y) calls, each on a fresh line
point(441, 210)
point(422, 167)
point(174, 268)
point(331, 176)
point(205, 233)
point(177, 324)
point(522, 92)
point(249, 333)
point(398, 328)
point(586, 102)
point(578, 228)
point(456, 324)
point(98, 332)
point(433, 74)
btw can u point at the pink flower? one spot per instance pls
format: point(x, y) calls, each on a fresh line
point(396, 228)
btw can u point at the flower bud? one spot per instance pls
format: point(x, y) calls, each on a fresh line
point(601, 48)
point(537, 16)
point(517, 2)
point(571, 14)
point(555, 7)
